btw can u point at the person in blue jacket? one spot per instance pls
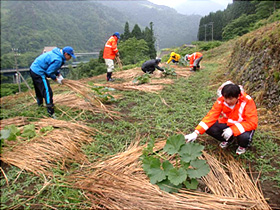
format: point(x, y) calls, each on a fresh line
point(45, 66)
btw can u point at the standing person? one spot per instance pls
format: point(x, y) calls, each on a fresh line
point(238, 119)
point(174, 57)
point(46, 66)
point(109, 54)
point(151, 65)
point(194, 59)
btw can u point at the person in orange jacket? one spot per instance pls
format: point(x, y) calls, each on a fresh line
point(174, 57)
point(238, 119)
point(194, 59)
point(109, 54)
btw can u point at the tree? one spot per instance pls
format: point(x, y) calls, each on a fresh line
point(136, 32)
point(126, 35)
point(133, 51)
point(150, 39)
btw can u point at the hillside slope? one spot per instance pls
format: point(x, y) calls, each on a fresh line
point(255, 64)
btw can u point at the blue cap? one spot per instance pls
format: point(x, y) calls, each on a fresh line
point(69, 50)
point(117, 34)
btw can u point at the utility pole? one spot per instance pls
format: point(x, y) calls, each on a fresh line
point(211, 23)
point(15, 50)
point(205, 25)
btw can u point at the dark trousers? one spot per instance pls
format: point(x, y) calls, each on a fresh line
point(148, 70)
point(43, 90)
point(243, 139)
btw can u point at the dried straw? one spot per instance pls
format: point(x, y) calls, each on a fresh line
point(120, 183)
point(87, 93)
point(45, 152)
point(18, 121)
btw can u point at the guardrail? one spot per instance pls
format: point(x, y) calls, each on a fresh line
point(27, 69)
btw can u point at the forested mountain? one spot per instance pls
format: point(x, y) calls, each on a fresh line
point(171, 28)
point(238, 18)
point(85, 25)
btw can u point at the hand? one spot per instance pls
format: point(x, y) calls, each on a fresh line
point(59, 79)
point(191, 137)
point(227, 133)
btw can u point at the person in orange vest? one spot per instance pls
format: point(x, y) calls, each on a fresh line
point(194, 59)
point(109, 54)
point(238, 119)
point(174, 57)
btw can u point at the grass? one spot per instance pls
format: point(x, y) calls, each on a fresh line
point(145, 116)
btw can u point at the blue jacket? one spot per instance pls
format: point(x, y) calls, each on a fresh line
point(48, 64)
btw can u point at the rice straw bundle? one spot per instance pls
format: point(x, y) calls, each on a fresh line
point(18, 121)
point(85, 91)
point(120, 183)
point(152, 87)
point(41, 154)
point(119, 62)
point(234, 182)
point(75, 102)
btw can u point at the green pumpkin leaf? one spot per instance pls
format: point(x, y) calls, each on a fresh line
point(177, 177)
point(166, 165)
point(156, 175)
point(167, 186)
point(191, 151)
point(29, 131)
point(5, 133)
point(11, 133)
point(174, 143)
point(192, 184)
point(200, 168)
point(47, 128)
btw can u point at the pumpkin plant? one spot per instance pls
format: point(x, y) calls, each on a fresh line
point(176, 166)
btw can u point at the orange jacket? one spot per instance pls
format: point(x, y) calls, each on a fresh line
point(110, 49)
point(240, 118)
point(194, 56)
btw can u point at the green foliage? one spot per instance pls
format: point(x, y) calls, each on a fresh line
point(46, 129)
point(169, 71)
point(186, 170)
point(102, 93)
point(10, 89)
point(238, 18)
point(29, 131)
point(239, 26)
point(204, 46)
point(133, 50)
point(10, 133)
point(85, 70)
point(142, 79)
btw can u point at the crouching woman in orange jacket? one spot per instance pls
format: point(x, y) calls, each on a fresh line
point(194, 59)
point(239, 119)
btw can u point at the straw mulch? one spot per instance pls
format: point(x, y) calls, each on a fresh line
point(44, 152)
point(120, 183)
point(17, 121)
point(153, 87)
point(75, 102)
point(93, 100)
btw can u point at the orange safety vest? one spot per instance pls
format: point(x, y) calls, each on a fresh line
point(193, 57)
point(110, 49)
point(240, 118)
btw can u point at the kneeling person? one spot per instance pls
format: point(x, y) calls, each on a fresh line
point(239, 119)
point(151, 65)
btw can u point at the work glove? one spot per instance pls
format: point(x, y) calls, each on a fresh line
point(227, 133)
point(59, 79)
point(191, 137)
